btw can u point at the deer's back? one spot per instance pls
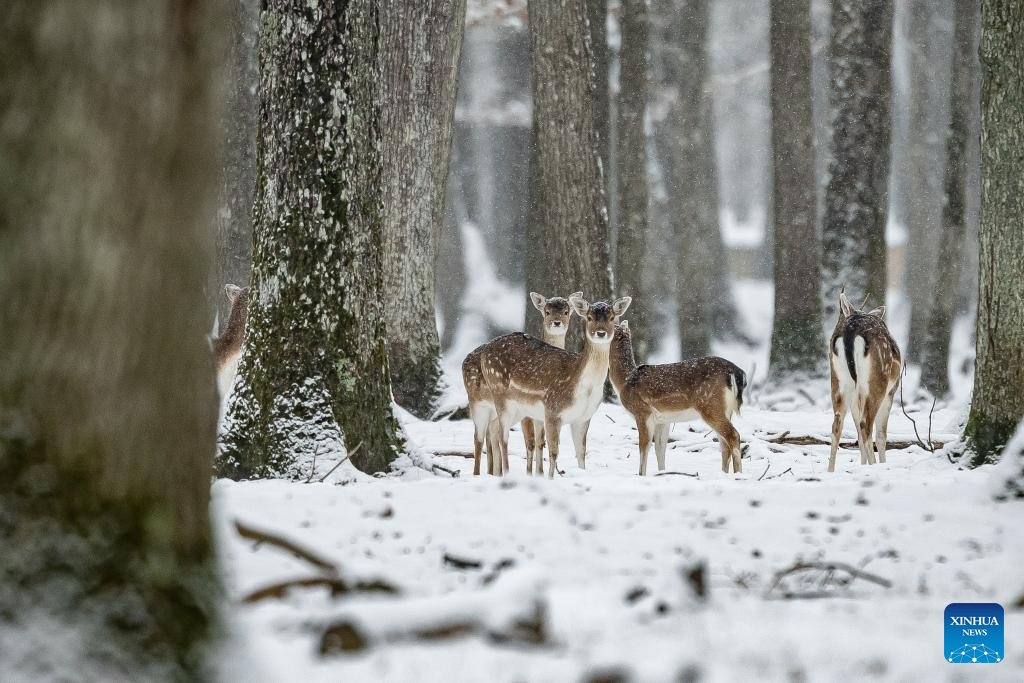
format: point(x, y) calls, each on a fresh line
point(689, 384)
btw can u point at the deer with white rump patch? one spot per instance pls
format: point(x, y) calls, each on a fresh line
point(227, 347)
point(518, 376)
point(865, 371)
point(708, 388)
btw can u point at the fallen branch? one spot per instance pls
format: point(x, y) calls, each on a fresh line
point(462, 562)
point(517, 617)
point(765, 471)
point(667, 473)
point(806, 440)
point(336, 585)
point(455, 454)
point(822, 579)
point(788, 470)
point(338, 464)
point(435, 466)
point(246, 531)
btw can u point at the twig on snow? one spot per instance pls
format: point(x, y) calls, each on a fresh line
point(765, 471)
point(930, 447)
point(788, 470)
point(246, 531)
point(822, 579)
point(336, 585)
point(338, 464)
point(666, 473)
point(453, 473)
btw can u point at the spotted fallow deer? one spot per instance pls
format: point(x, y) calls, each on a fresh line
point(228, 346)
point(708, 388)
point(518, 376)
point(865, 372)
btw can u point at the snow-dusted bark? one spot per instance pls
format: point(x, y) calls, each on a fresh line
point(998, 402)
point(857, 195)
point(687, 154)
point(569, 252)
point(419, 49)
point(108, 126)
point(918, 181)
point(597, 21)
point(238, 170)
point(315, 358)
point(797, 344)
point(632, 256)
point(935, 365)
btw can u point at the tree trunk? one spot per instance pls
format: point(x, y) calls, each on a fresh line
point(935, 368)
point(919, 182)
point(108, 408)
point(632, 259)
point(687, 153)
point(315, 357)
point(574, 240)
point(796, 346)
point(998, 402)
point(419, 49)
point(597, 21)
point(857, 195)
point(238, 171)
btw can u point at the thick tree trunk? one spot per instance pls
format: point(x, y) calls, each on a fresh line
point(238, 171)
point(419, 49)
point(315, 357)
point(574, 242)
point(998, 402)
point(597, 20)
point(687, 153)
point(857, 196)
point(919, 182)
point(632, 258)
point(935, 368)
point(108, 404)
point(796, 346)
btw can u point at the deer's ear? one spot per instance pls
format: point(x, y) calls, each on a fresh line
point(845, 307)
point(880, 312)
point(620, 305)
point(538, 301)
point(580, 305)
point(624, 326)
point(578, 295)
point(232, 292)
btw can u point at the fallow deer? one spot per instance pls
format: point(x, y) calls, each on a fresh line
point(517, 376)
point(557, 315)
point(710, 388)
point(865, 371)
point(228, 346)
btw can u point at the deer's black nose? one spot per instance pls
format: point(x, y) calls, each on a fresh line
point(602, 333)
point(557, 323)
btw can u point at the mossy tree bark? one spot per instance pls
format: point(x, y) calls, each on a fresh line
point(420, 46)
point(935, 368)
point(797, 344)
point(573, 244)
point(108, 115)
point(238, 171)
point(998, 402)
point(857, 195)
point(315, 358)
point(632, 258)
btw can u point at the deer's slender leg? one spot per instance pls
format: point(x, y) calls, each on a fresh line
point(660, 443)
point(867, 426)
point(528, 439)
point(586, 430)
point(481, 417)
point(504, 425)
point(882, 426)
point(539, 446)
point(493, 448)
point(729, 440)
point(579, 443)
point(644, 429)
point(552, 426)
point(839, 414)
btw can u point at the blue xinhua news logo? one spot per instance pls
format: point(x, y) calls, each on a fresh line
point(974, 633)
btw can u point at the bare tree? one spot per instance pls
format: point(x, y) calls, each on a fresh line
point(597, 21)
point(571, 253)
point(998, 402)
point(857, 195)
point(419, 49)
point(108, 115)
point(632, 258)
point(796, 346)
point(238, 171)
point(315, 357)
point(935, 368)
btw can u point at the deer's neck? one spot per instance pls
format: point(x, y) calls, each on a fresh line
point(592, 364)
point(623, 363)
point(558, 341)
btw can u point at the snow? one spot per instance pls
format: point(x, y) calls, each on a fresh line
point(607, 553)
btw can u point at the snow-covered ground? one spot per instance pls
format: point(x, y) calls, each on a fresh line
point(662, 578)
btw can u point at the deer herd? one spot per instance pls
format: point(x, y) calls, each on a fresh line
point(519, 378)
point(538, 383)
